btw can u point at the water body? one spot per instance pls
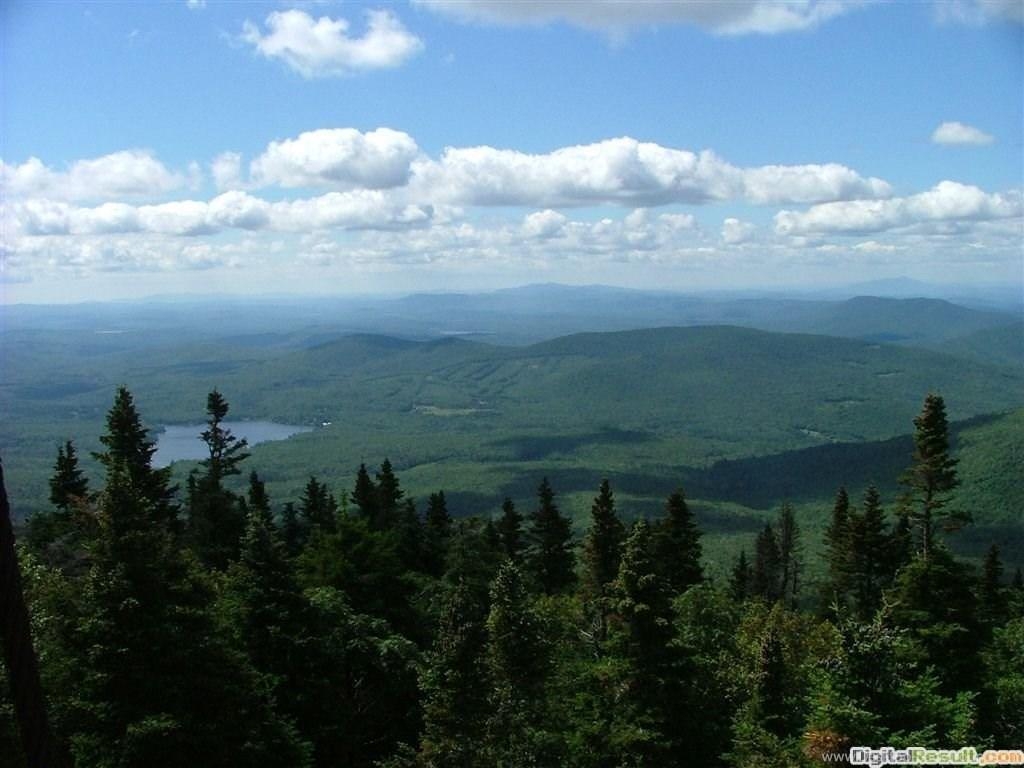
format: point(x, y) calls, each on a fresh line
point(182, 441)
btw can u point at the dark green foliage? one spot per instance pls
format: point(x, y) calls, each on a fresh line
point(291, 528)
point(510, 529)
point(932, 476)
point(1004, 683)
point(837, 553)
point(318, 510)
point(68, 486)
point(740, 580)
point(364, 495)
point(868, 544)
point(518, 665)
point(602, 546)
point(767, 569)
point(991, 593)
point(790, 555)
point(437, 531)
point(389, 494)
point(215, 514)
point(454, 684)
point(677, 545)
point(550, 557)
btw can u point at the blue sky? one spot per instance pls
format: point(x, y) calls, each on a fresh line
point(352, 147)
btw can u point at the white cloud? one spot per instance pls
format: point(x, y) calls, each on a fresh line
point(736, 17)
point(337, 157)
point(735, 231)
point(544, 224)
point(978, 12)
point(959, 133)
point(195, 5)
point(128, 173)
point(324, 48)
point(227, 170)
point(940, 209)
point(627, 172)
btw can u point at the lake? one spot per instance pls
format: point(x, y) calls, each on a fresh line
point(178, 442)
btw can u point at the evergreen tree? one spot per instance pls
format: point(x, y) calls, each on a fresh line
point(677, 545)
point(790, 555)
point(868, 542)
point(991, 595)
point(216, 516)
point(767, 565)
point(291, 529)
point(838, 551)
point(389, 494)
point(1018, 579)
point(741, 578)
point(68, 486)
point(510, 529)
point(317, 508)
point(454, 685)
point(436, 534)
point(932, 476)
point(364, 495)
point(602, 547)
point(129, 450)
point(518, 663)
point(900, 546)
point(550, 556)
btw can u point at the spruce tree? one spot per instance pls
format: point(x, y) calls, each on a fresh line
point(68, 485)
point(130, 451)
point(437, 532)
point(510, 529)
point(550, 556)
point(837, 551)
point(677, 545)
point(741, 578)
point(991, 594)
point(317, 508)
point(868, 542)
point(389, 495)
point(518, 663)
point(364, 495)
point(602, 547)
point(767, 564)
point(932, 476)
point(454, 684)
point(216, 515)
point(790, 555)
point(291, 529)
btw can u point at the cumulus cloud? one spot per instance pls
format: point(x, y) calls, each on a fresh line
point(128, 173)
point(947, 204)
point(960, 133)
point(358, 209)
point(337, 157)
point(628, 172)
point(323, 47)
point(735, 231)
point(737, 17)
point(227, 170)
point(978, 12)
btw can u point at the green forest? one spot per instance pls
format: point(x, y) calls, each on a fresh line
point(208, 624)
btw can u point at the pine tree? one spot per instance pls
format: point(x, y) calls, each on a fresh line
point(677, 545)
point(68, 486)
point(767, 564)
point(291, 529)
point(837, 551)
point(437, 518)
point(226, 451)
point(741, 578)
point(900, 546)
point(770, 691)
point(550, 556)
point(510, 529)
point(790, 554)
point(602, 547)
point(437, 532)
point(932, 475)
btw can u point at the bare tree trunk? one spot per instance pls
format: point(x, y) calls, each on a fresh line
point(41, 749)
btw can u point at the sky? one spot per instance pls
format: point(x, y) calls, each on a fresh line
point(349, 147)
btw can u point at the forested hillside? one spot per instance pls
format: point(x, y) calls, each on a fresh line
point(351, 626)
